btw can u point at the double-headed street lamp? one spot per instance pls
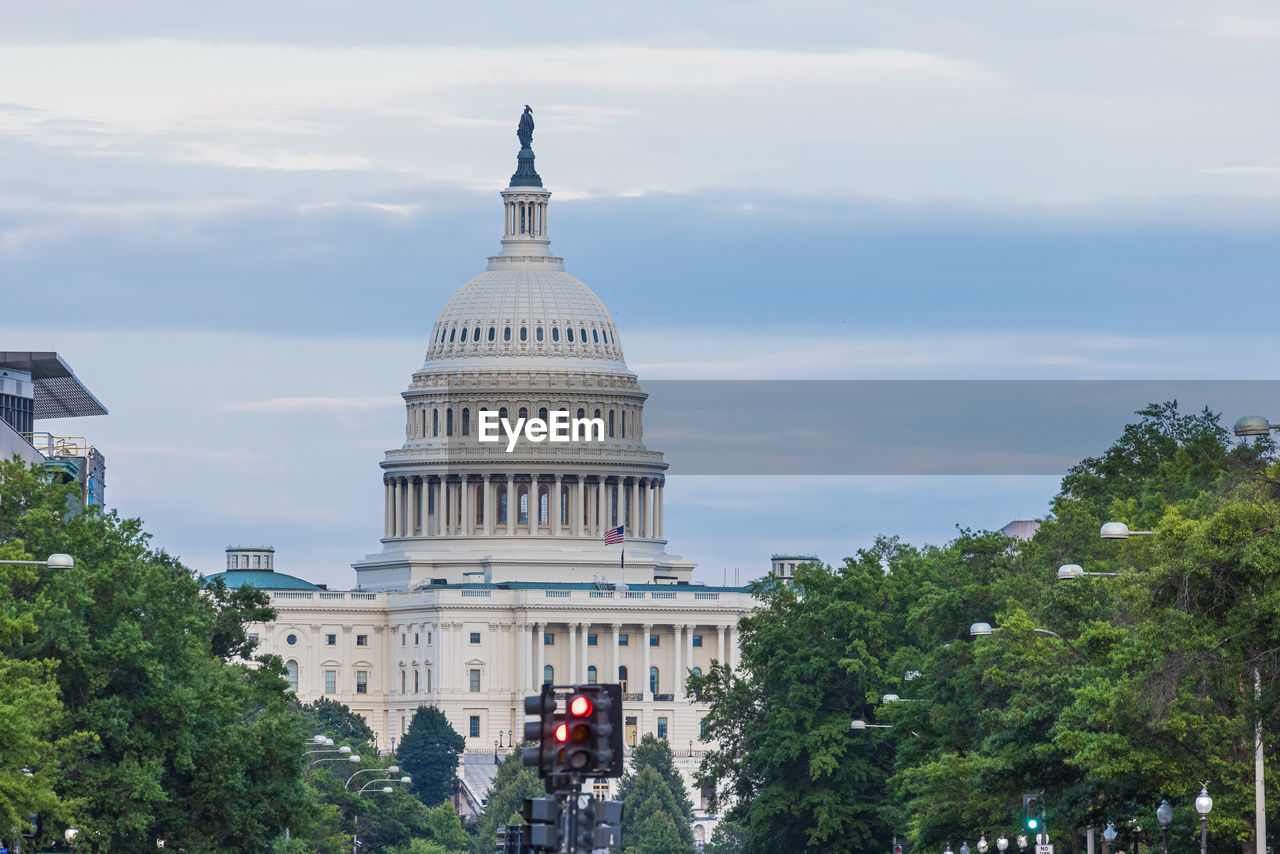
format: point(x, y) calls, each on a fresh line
point(390, 769)
point(365, 788)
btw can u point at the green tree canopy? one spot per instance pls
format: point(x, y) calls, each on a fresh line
point(651, 819)
point(514, 782)
point(428, 753)
point(653, 752)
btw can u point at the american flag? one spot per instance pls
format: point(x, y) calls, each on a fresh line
point(613, 536)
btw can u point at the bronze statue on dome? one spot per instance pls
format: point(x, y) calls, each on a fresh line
point(525, 131)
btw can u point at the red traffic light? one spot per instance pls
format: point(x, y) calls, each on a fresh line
point(580, 706)
point(562, 733)
point(897, 848)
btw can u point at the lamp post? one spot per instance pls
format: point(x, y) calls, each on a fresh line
point(1120, 531)
point(1002, 843)
point(1204, 803)
point(1022, 842)
point(365, 788)
point(390, 769)
point(964, 847)
point(496, 744)
point(54, 561)
point(353, 758)
point(982, 843)
point(1108, 836)
point(70, 835)
point(1164, 815)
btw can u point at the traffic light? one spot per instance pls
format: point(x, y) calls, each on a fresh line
point(1033, 813)
point(543, 830)
point(543, 731)
point(599, 825)
point(591, 732)
point(897, 848)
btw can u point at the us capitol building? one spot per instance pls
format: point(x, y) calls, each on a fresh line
point(491, 579)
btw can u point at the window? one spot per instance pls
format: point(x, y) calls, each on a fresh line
point(448, 421)
point(428, 638)
point(502, 506)
point(475, 681)
point(697, 640)
point(506, 334)
point(362, 681)
point(569, 332)
point(330, 640)
point(435, 422)
point(653, 680)
point(415, 638)
point(491, 331)
point(542, 413)
point(524, 333)
point(253, 637)
point(622, 677)
point(548, 639)
point(543, 498)
point(428, 680)
point(403, 640)
point(475, 637)
point(473, 726)
point(331, 681)
point(555, 334)
point(548, 675)
point(235, 561)
point(291, 674)
point(257, 561)
point(600, 788)
point(595, 336)
point(539, 333)
point(362, 640)
point(662, 728)
point(402, 677)
point(466, 418)
point(591, 674)
point(415, 681)
point(610, 423)
point(695, 671)
point(291, 639)
point(591, 640)
point(452, 333)
point(622, 639)
point(653, 640)
point(476, 336)
point(523, 518)
point(702, 729)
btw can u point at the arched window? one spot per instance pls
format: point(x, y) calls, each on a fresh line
point(653, 680)
point(568, 331)
point(452, 332)
point(402, 681)
point(591, 674)
point(538, 333)
point(597, 413)
point(555, 334)
point(524, 412)
point(564, 506)
point(476, 336)
point(582, 413)
point(502, 505)
point(548, 675)
point(610, 423)
point(502, 413)
point(291, 674)
point(435, 422)
point(624, 424)
point(492, 331)
point(448, 422)
point(506, 333)
point(523, 519)
point(466, 419)
point(542, 413)
point(415, 680)
point(524, 333)
point(542, 506)
point(695, 671)
point(582, 335)
point(622, 677)
point(595, 336)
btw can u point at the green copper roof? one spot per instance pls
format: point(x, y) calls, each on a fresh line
point(262, 580)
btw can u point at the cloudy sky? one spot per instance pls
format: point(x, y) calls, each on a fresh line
point(237, 222)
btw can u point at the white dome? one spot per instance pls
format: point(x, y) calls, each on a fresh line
point(525, 312)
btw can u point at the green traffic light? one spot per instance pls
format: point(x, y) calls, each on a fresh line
point(1032, 824)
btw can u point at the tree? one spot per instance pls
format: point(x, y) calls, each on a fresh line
point(728, 838)
point(428, 753)
point(652, 822)
point(653, 752)
point(160, 736)
point(336, 720)
point(513, 782)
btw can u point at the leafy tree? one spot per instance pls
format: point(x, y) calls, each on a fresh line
point(336, 720)
point(160, 736)
point(513, 782)
point(429, 754)
point(651, 819)
point(729, 837)
point(653, 752)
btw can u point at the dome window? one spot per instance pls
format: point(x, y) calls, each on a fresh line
point(595, 336)
point(506, 334)
point(555, 334)
point(492, 333)
point(582, 335)
point(476, 336)
point(452, 332)
point(524, 333)
point(538, 334)
point(568, 333)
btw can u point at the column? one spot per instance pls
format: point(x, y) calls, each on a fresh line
point(512, 509)
point(487, 507)
point(582, 667)
point(731, 649)
point(424, 510)
point(602, 520)
point(539, 649)
point(399, 521)
point(720, 645)
point(633, 508)
point(644, 673)
point(415, 499)
point(648, 509)
point(661, 487)
point(468, 515)
point(688, 649)
point(677, 686)
point(388, 509)
point(571, 676)
point(553, 511)
point(535, 506)
point(613, 674)
point(522, 656)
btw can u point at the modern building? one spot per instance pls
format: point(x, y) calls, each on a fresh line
point(494, 574)
point(39, 386)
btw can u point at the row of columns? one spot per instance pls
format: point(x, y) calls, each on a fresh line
point(425, 506)
point(526, 218)
point(529, 668)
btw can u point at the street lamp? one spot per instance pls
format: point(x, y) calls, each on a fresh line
point(1204, 803)
point(354, 758)
point(948, 851)
point(1253, 425)
point(982, 843)
point(54, 561)
point(70, 835)
point(1002, 844)
point(1022, 842)
point(497, 742)
point(1068, 571)
point(1164, 815)
point(365, 787)
point(859, 723)
point(1108, 836)
point(390, 769)
point(964, 847)
point(1120, 531)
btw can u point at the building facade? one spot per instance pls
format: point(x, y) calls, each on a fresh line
point(493, 575)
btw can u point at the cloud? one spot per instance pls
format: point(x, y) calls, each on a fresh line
point(289, 161)
point(310, 404)
point(1246, 27)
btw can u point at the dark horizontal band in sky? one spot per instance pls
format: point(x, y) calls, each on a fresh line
point(914, 427)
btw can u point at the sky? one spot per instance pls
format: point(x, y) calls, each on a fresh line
point(238, 222)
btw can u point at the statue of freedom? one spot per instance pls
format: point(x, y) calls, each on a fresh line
point(525, 131)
